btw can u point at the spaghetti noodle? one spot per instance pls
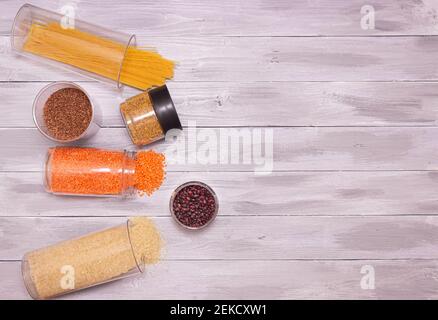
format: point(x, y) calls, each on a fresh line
point(140, 68)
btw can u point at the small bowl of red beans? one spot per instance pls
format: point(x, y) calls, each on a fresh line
point(194, 205)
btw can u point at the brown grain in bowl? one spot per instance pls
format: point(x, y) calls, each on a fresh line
point(67, 114)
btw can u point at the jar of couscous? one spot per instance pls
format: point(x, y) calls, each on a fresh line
point(92, 259)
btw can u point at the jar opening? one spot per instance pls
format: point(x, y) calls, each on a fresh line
point(131, 42)
point(140, 119)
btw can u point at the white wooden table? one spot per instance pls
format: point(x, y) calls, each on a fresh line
point(354, 114)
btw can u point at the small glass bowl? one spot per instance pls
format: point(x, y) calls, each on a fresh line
point(43, 96)
point(195, 183)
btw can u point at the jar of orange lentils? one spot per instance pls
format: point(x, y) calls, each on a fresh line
point(101, 172)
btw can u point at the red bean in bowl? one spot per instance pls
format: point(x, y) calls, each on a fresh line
point(194, 205)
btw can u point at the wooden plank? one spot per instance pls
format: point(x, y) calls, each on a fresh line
point(260, 104)
point(255, 237)
point(248, 59)
point(242, 193)
point(411, 279)
point(325, 148)
point(249, 18)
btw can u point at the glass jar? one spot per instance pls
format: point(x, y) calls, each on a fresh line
point(149, 115)
point(96, 258)
point(41, 100)
point(88, 49)
point(101, 172)
point(90, 171)
point(187, 222)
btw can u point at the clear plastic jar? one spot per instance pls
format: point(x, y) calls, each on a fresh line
point(90, 171)
point(92, 259)
point(149, 115)
point(70, 50)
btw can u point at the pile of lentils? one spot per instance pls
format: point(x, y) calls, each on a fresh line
point(194, 206)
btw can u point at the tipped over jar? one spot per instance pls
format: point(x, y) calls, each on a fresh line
point(149, 115)
point(102, 172)
point(91, 259)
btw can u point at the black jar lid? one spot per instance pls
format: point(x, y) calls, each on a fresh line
point(164, 108)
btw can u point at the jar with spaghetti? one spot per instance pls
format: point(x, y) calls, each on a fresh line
point(87, 49)
point(148, 116)
point(92, 259)
point(101, 172)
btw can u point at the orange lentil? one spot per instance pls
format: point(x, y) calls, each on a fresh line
point(91, 171)
point(149, 171)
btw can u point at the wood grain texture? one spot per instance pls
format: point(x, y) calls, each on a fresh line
point(353, 115)
point(248, 59)
point(412, 279)
point(260, 103)
point(244, 194)
point(255, 237)
point(358, 148)
point(246, 18)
